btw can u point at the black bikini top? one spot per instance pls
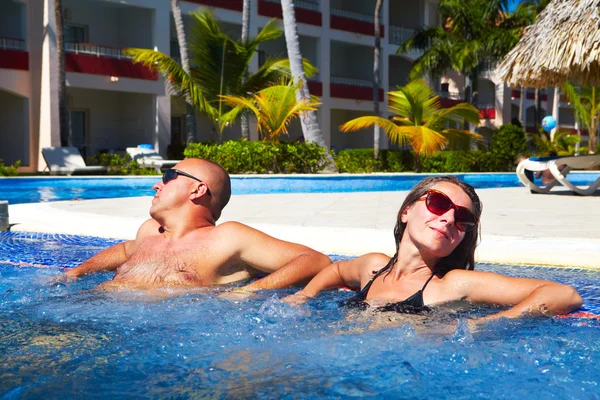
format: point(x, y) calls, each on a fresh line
point(412, 305)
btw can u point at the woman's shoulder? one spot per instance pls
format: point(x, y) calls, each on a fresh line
point(372, 261)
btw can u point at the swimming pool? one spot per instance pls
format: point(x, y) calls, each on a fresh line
point(32, 190)
point(66, 340)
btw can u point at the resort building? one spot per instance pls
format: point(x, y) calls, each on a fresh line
point(114, 104)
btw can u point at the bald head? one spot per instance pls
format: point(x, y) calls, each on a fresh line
point(215, 177)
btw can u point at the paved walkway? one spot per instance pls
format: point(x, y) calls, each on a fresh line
point(517, 227)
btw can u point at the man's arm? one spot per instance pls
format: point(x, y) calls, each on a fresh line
point(107, 260)
point(286, 263)
point(112, 258)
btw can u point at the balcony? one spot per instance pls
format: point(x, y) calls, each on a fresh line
point(13, 54)
point(307, 11)
point(399, 35)
point(350, 21)
point(353, 88)
point(487, 110)
point(93, 59)
point(234, 5)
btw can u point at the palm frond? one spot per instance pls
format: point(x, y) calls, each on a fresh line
point(173, 73)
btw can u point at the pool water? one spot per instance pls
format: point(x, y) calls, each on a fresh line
point(66, 340)
point(33, 190)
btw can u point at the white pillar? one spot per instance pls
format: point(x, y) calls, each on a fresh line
point(325, 75)
point(555, 110)
point(253, 67)
point(162, 100)
point(49, 122)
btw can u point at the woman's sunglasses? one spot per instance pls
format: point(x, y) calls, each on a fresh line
point(439, 204)
point(172, 173)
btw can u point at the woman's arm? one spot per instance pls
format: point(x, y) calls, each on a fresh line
point(348, 274)
point(526, 296)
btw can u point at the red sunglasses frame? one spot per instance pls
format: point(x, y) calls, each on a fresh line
point(459, 222)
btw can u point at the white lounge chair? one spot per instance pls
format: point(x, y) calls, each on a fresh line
point(67, 161)
point(149, 158)
point(560, 175)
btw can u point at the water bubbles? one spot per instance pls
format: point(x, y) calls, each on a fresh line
point(274, 310)
point(462, 334)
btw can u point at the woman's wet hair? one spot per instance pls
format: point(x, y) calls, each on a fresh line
point(463, 256)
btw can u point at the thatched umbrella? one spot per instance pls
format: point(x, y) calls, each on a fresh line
point(564, 44)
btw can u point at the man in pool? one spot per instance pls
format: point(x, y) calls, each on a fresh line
point(181, 245)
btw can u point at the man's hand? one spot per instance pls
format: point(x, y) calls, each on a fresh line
point(299, 297)
point(240, 293)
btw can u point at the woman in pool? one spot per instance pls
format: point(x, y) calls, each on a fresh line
point(436, 235)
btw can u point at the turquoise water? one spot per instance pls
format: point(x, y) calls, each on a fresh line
point(67, 340)
point(32, 190)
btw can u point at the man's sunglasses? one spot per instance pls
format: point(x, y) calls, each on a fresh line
point(172, 173)
point(439, 204)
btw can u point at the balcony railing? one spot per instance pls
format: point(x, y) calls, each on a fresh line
point(352, 15)
point(399, 35)
point(12, 44)
point(450, 95)
point(314, 5)
point(342, 80)
point(95, 50)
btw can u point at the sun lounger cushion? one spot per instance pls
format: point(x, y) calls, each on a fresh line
point(67, 161)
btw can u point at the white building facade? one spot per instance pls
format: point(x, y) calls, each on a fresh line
point(114, 104)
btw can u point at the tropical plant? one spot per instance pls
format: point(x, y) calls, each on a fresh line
point(563, 143)
point(420, 120)
point(190, 112)
point(376, 51)
point(473, 31)
point(586, 104)
point(219, 65)
point(310, 126)
point(273, 107)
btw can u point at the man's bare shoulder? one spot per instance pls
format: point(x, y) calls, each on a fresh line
point(149, 228)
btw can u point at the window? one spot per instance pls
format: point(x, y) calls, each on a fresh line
point(78, 130)
point(177, 130)
point(75, 33)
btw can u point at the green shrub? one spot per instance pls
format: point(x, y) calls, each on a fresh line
point(507, 143)
point(243, 156)
point(357, 161)
point(120, 165)
point(9, 170)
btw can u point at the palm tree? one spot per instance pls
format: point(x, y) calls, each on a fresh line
point(219, 65)
point(63, 112)
point(190, 114)
point(273, 107)
point(245, 35)
point(310, 126)
point(420, 120)
point(376, 50)
point(586, 103)
point(474, 31)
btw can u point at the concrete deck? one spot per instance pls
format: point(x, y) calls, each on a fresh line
point(517, 227)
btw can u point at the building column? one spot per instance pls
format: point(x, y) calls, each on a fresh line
point(253, 67)
point(47, 69)
point(162, 100)
point(325, 74)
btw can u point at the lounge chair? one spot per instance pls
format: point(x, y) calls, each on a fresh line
point(552, 164)
point(149, 158)
point(67, 161)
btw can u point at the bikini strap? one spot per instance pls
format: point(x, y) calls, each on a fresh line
point(365, 290)
point(428, 280)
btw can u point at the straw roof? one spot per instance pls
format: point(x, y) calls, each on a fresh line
point(564, 44)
